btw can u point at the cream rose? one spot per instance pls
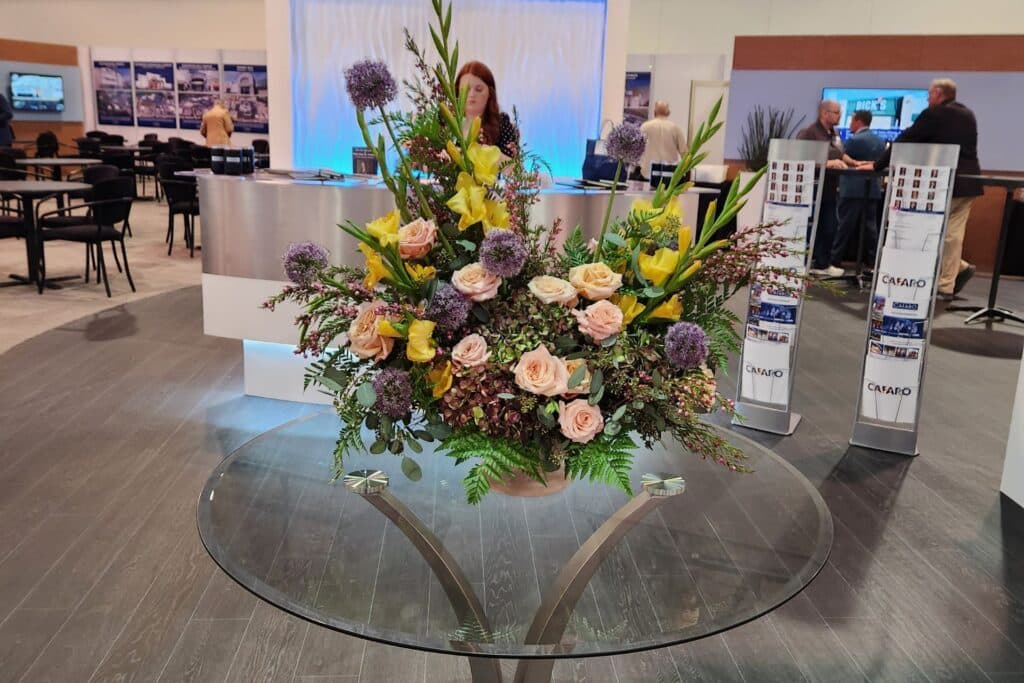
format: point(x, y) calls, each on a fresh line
point(475, 282)
point(584, 386)
point(363, 339)
point(600, 320)
point(553, 290)
point(580, 421)
point(595, 280)
point(471, 351)
point(538, 372)
point(416, 239)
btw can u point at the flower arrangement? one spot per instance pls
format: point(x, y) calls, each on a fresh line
point(471, 327)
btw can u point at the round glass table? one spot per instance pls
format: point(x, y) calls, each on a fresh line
point(588, 571)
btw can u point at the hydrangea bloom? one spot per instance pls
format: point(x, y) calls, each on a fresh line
point(686, 345)
point(303, 261)
point(626, 143)
point(448, 308)
point(370, 84)
point(503, 253)
point(394, 392)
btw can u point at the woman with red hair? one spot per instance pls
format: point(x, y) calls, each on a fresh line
point(496, 127)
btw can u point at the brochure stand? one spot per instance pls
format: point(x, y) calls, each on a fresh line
point(795, 178)
point(901, 306)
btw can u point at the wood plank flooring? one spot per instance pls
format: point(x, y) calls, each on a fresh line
point(109, 427)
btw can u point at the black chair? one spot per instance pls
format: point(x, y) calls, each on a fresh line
point(12, 222)
point(91, 175)
point(200, 156)
point(150, 136)
point(145, 165)
point(182, 198)
point(113, 140)
point(98, 134)
point(88, 147)
point(111, 205)
point(47, 145)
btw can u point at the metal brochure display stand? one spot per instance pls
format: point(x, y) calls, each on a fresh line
point(795, 179)
point(901, 306)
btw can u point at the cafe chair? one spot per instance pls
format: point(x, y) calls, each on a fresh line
point(88, 147)
point(182, 199)
point(98, 134)
point(12, 222)
point(91, 175)
point(106, 222)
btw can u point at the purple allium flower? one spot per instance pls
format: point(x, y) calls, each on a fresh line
point(503, 253)
point(626, 143)
point(394, 392)
point(370, 84)
point(303, 261)
point(686, 346)
point(448, 308)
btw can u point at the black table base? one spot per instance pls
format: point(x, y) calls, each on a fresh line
point(48, 283)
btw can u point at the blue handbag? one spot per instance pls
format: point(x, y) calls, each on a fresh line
point(597, 165)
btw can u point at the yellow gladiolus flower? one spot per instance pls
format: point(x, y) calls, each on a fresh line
point(474, 130)
point(453, 152)
point(486, 160)
point(685, 239)
point(468, 201)
point(385, 228)
point(420, 348)
point(420, 274)
point(440, 379)
point(375, 268)
point(670, 309)
point(671, 212)
point(629, 306)
point(386, 329)
point(497, 214)
point(688, 273)
point(657, 269)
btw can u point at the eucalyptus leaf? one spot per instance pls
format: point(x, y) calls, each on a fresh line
point(423, 435)
point(576, 378)
point(615, 238)
point(396, 446)
point(378, 446)
point(411, 469)
point(372, 421)
point(596, 397)
point(387, 426)
point(609, 342)
point(597, 381)
point(366, 395)
point(467, 245)
point(481, 314)
point(413, 443)
point(612, 428)
point(440, 430)
point(653, 292)
point(506, 397)
point(617, 415)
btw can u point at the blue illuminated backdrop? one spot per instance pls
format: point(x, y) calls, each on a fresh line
point(546, 56)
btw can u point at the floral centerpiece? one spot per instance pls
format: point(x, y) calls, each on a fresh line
point(517, 347)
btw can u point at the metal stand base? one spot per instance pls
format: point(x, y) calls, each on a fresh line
point(49, 283)
point(984, 314)
point(766, 419)
point(879, 438)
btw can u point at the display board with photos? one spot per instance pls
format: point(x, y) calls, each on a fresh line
point(154, 94)
point(899, 320)
point(245, 95)
point(792, 196)
point(112, 81)
point(198, 86)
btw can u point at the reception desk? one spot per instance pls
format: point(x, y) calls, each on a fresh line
point(249, 221)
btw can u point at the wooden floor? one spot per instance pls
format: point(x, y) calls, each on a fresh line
point(109, 426)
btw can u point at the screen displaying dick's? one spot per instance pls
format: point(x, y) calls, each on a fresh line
point(892, 110)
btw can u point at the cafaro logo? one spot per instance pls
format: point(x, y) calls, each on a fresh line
point(886, 390)
point(904, 281)
point(763, 372)
point(904, 306)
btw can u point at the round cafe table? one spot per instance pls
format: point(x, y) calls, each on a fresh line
point(29, 191)
point(586, 571)
point(55, 164)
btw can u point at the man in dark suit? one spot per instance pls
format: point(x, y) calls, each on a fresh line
point(6, 114)
point(858, 198)
point(946, 121)
point(824, 130)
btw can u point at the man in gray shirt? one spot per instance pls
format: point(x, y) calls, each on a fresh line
point(823, 129)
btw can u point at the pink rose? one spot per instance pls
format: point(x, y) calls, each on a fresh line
point(553, 290)
point(416, 239)
point(363, 339)
point(538, 372)
point(475, 282)
point(471, 352)
point(580, 421)
point(600, 320)
point(595, 280)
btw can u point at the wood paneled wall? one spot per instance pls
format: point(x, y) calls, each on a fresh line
point(43, 53)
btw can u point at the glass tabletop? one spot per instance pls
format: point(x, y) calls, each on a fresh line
point(586, 571)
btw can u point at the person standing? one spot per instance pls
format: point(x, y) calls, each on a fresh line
point(665, 140)
point(858, 200)
point(824, 129)
point(6, 114)
point(947, 121)
point(217, 125)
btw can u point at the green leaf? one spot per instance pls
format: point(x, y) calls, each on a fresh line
point(576, 378)
point(396, 446)
point(609, 342)
point(596, 380)
point(413, 444)
point(440, 430)
point(653, 292)
point(366, 395)
point(506, 397)
point(617, 415)
point(564, 342)
point(378, 446)
point(411, 469)
point(615, 238)
point(481, 314)
point(372, 421)
point(612, 428)
point(596, 397)
point(423, 435)
point(467, 245)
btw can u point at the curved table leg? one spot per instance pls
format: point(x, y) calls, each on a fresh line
point(560, 600)
point(372, 485)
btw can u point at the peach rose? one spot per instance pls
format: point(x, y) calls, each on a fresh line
point(600, 320)
point(595, 280)
point(584, 386)
point(363, 338)
point(553, 290)
point(416, 239)
point(471, 351)
point(541, 373)
point(475, 282)
point(580, 421)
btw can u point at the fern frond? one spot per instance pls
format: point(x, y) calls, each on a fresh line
point(608, 459)
point(575, 252)
point(498, 459)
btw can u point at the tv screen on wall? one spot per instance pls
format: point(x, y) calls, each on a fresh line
point(892, 109)
point(37, 92)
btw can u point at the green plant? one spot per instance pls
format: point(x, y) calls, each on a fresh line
point(764, 124)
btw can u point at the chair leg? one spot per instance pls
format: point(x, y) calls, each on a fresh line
point(42, 266)
point(170, 232)
point(103, 268)
point(127, 271)
point(113, 249)
point(128, 228)
point(191, 236)
point(88, 259)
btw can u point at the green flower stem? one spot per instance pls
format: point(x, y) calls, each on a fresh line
point(382, 163)
point(424, 206)
point(607, 213)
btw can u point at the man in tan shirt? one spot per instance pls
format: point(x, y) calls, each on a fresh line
point(217, 125)
point(665, 140)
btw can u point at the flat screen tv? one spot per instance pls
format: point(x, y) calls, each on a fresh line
point(892, 109)
point(37, 92)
